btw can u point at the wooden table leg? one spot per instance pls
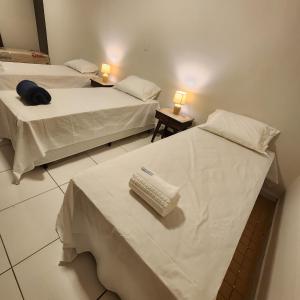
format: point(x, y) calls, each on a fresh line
point(156, 131)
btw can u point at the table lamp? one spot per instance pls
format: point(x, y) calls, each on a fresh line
point(179, 100)
point(105, 70)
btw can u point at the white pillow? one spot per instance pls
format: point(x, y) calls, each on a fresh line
point(240, 129)
point(138, 87)
point(82, 66)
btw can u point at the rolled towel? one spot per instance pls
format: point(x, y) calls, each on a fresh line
point(32, 93)
point(159, 194)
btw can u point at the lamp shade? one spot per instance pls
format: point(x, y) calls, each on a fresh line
point(105, 68)
point(179, 98)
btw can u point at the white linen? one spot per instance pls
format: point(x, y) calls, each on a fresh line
point(81, 65)
point(246, 131)
point(73, 116)
point(138, 87)
point(184, 256)
point(159, 194)
point(47, 76)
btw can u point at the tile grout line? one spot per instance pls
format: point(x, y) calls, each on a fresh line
point(3, 209)
point(97, 163)
point(5, 271)
point(61, 188)
point(46, 169)
point(105, 290)
point(86, 153)
point(40, 249)
point(122, 147)
point(93, 160)
point(12, 268)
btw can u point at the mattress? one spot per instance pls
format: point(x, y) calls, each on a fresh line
point(142, 256)
point(47, 76)
point(74, 116)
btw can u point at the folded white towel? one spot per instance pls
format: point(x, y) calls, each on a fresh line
point(159, 194)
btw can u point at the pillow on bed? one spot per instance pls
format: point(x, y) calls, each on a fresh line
point(139, 88)
point(240, 129)
point(82, 66)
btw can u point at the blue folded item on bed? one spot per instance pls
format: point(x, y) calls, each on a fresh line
point(32, 93)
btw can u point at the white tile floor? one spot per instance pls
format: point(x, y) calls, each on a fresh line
point(29, 245)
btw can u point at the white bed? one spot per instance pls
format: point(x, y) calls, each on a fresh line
point(47, 76)
point(142, 256)
point(76, 120)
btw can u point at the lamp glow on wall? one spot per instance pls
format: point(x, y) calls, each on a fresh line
point(179, 100)
point(105, 70)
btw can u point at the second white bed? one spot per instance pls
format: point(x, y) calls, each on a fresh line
point(74, 121)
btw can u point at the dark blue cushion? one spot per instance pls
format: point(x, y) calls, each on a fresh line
point(32, 93)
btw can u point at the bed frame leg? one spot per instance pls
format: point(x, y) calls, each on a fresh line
point(16, 178)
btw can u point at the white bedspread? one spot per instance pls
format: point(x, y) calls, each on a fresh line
point(47, 76)
point(73, 116)
point(142, 256)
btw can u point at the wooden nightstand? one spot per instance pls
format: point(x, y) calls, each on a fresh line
point(97, 82)
point(177, 123)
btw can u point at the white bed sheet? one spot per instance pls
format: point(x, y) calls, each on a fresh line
point(47, 76)
point(142, 256)
point(74, 116)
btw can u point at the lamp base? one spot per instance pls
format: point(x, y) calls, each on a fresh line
point(176, 110)
point(105, 78)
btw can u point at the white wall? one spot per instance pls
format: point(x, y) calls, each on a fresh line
point(69, 29)
point(17, 24)
point(237, 55)
point(282, 272)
